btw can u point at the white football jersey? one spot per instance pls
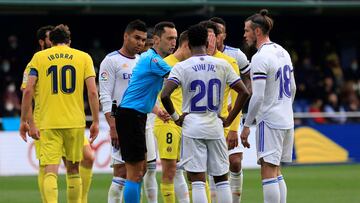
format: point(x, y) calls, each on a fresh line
point(114, 76)
point(239, 56)
point(272, 63)
point(203, 79)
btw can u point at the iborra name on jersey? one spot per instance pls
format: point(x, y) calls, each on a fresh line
point(60, 55)
point(200, 67)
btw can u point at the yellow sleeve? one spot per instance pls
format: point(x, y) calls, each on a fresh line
point(25, 76)
point(89, 67)
point(236, 122)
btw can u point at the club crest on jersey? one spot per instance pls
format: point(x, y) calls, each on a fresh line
point(104, 76)
point(125, 65)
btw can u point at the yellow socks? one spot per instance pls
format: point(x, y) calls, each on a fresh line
point(74, 188)
point(41, 182)
point(86, 177)
point(207, 189)
point(50, 188)
point(167, 192)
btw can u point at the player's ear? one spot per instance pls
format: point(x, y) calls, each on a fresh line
point(156, 39)
point(41, 43)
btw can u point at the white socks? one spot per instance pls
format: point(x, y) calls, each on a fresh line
point(283, 189)
point(236, 181)
point(181, 188)
point(150, 183)
point(223, 192)
point(115, 194)
point(198, 192)
point(271, 190)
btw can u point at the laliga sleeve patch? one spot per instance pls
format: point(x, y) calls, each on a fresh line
point(104, 76)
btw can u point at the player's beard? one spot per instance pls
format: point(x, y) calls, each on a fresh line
point(46, 46)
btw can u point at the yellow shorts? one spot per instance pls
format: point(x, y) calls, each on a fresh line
point(86, 142)
point(168, 139)
point(54, 140)
point(37, 148)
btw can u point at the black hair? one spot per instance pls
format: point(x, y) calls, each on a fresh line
point(210, 25)
point(160, 27)
point(136, 25)
point(60, 34)
point(198, 35)
point(41, 32)
point(218, 20)
point(184, 36)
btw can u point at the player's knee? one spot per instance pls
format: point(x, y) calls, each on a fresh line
point(72, 168)
point(235, 165)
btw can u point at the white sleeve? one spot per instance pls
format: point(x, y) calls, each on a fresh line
point(256, 100)
point(231, 76)
point(243, 62)
point(107, 78)
point(258, 82)
point(176, 74)
point(293, 85)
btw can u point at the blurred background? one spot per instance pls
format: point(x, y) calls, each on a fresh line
point(322, 37)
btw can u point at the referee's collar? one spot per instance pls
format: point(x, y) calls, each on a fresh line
point(154, 50)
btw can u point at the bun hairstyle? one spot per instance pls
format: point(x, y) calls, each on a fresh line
point(261, 20)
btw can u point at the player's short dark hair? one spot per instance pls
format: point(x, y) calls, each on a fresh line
point(159, 28)
point(198, 35)
point(184, 36)
point(41, 32)
point(218, 20)
point(210, 25)
point(150, 33)
point(60, 34)
point(136, 25)
point(261, 20)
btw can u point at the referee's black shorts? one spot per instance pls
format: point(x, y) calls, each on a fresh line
point(130, 127)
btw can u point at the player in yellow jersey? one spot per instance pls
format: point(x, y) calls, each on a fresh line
point(88, 158)
point(60, 73)
point(168, 136)
point(231, 132)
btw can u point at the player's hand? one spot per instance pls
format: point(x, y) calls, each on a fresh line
point(94, 131)
point(211, 44)
point(163, 115)
point(244, 137)
point(232, 139)
point(34, 131)
point(24, 128)
point(114, 138)
point(180, 121)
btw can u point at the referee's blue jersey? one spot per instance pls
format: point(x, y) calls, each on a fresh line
point(146, 82)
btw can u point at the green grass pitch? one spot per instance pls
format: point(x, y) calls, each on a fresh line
point(317, 184)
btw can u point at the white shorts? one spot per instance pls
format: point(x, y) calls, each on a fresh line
point(239, 148)
point(150, 146)
point(200, 155)
point(274, 145)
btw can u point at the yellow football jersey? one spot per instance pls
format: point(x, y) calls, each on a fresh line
point(224, 111)
point(61, 73)
point(36, 93)
point(176, 96)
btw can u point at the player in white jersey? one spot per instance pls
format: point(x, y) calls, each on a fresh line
point(270, 106)
point(115, 72)
point(203, 79)
point(236, 154)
